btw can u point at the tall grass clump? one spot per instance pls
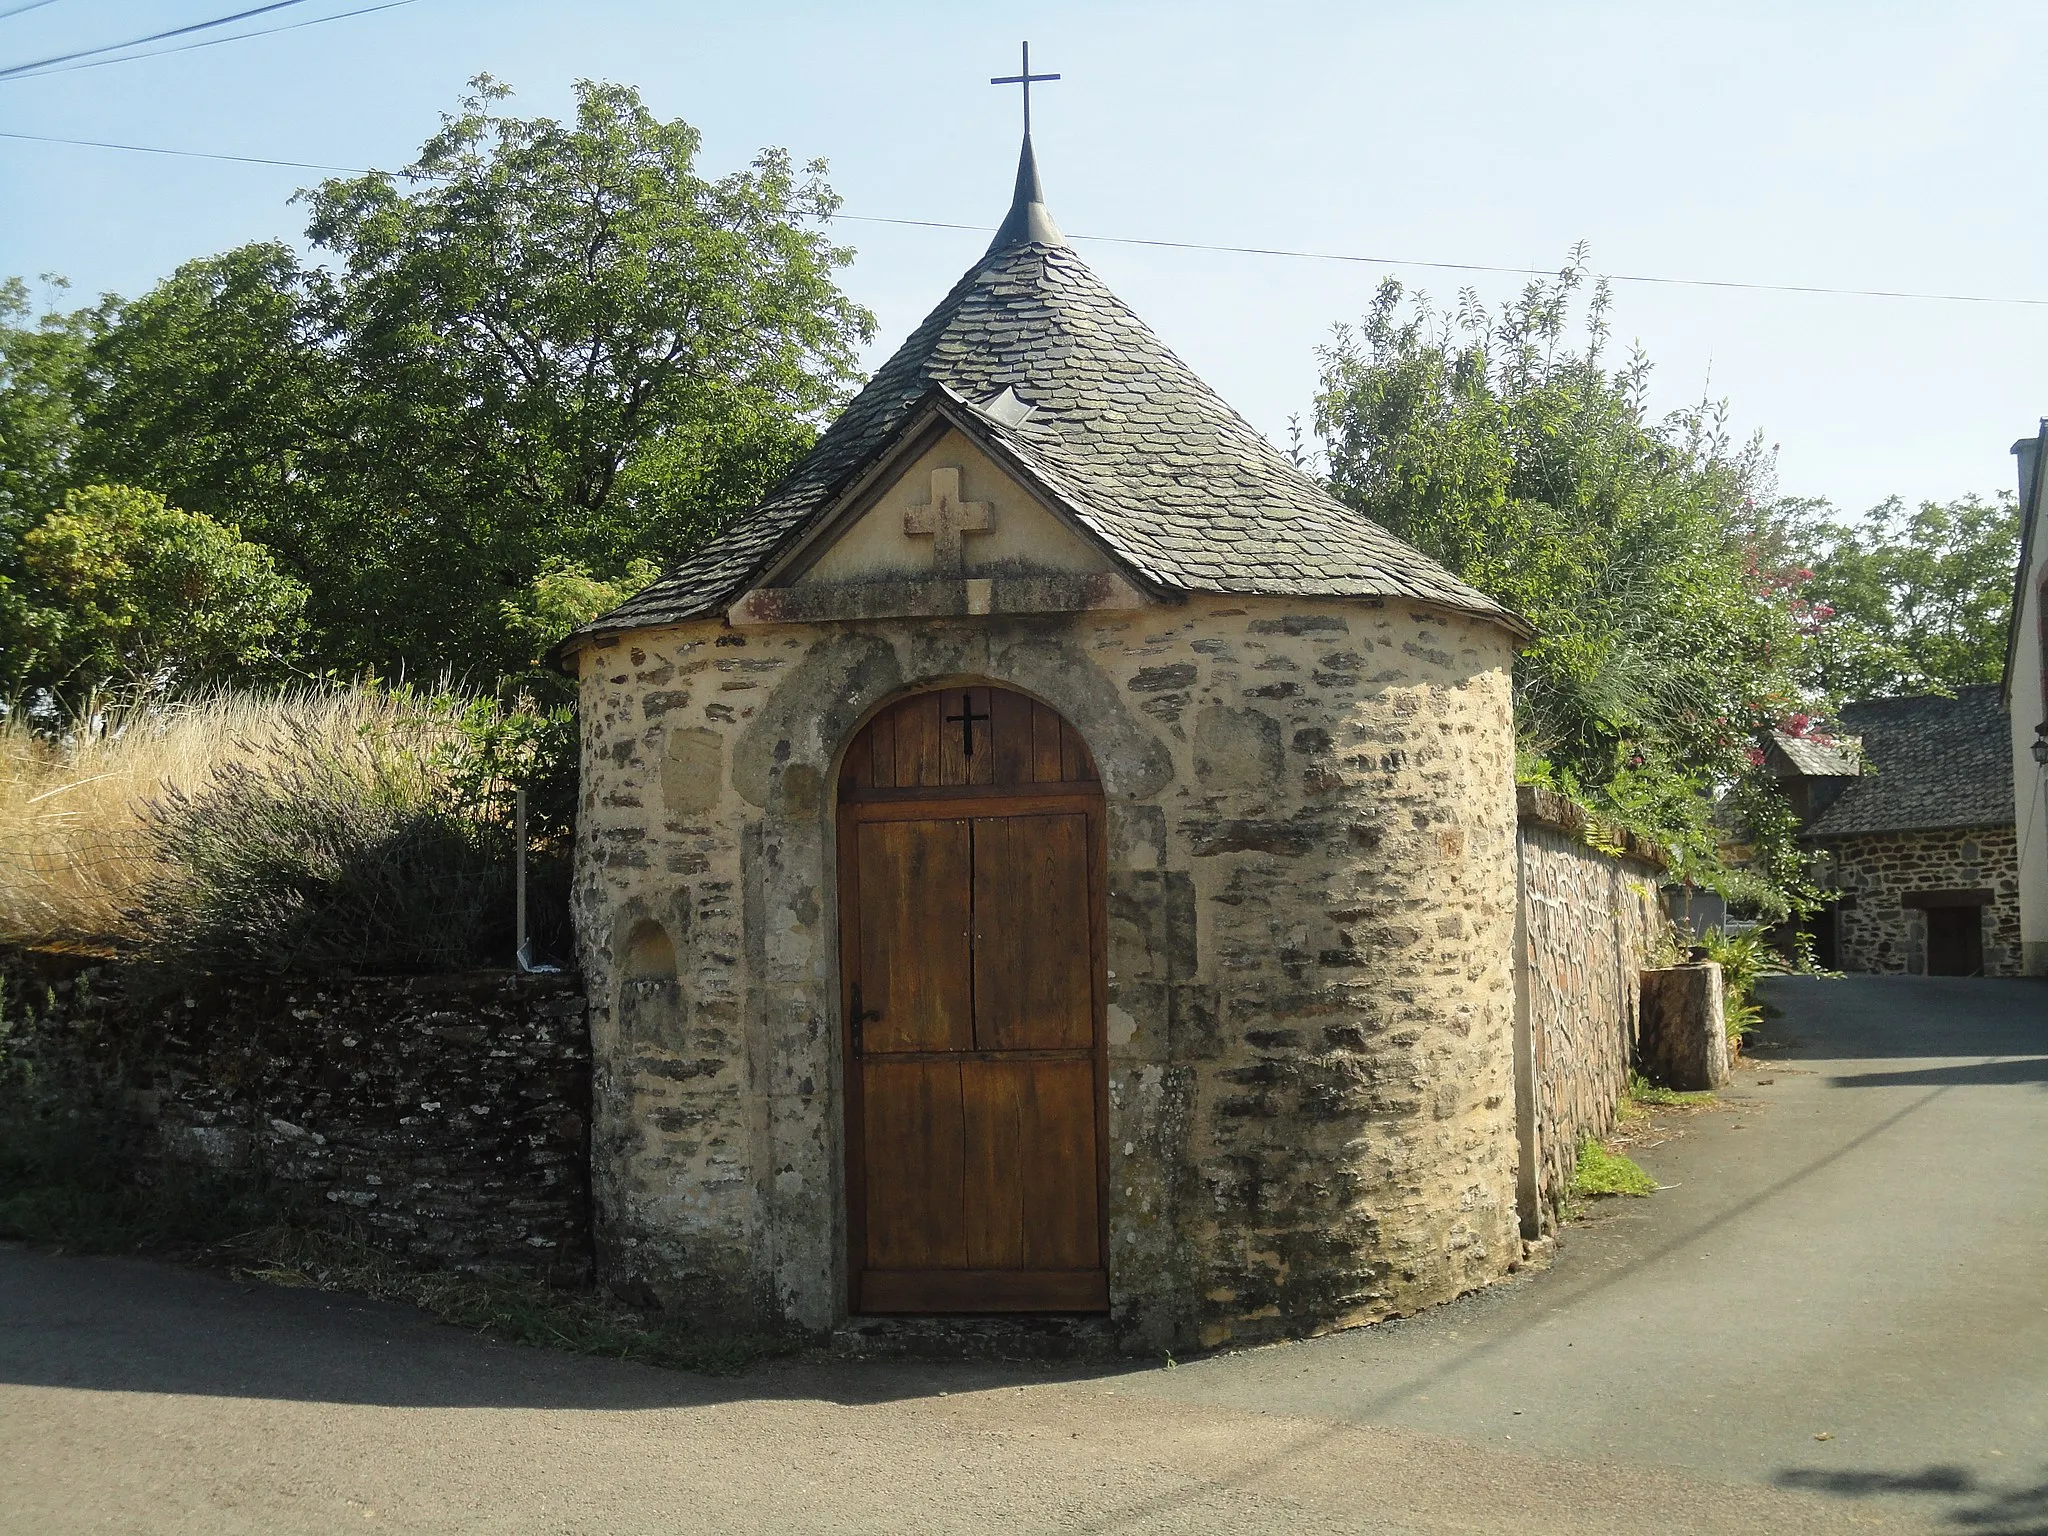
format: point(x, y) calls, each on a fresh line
point(318, 831)
point(75, 795)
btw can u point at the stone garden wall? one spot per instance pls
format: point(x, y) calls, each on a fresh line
point(1590, 924)
point(1875, 871)
point(444, 1118)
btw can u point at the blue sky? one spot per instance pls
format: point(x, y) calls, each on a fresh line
point(1867, 146)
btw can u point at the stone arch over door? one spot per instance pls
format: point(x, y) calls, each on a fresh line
point(974, 990)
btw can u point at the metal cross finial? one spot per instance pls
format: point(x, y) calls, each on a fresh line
point(1024, 79)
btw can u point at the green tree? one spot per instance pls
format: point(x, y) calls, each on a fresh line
point(1508, 447)
point(119, 588)
point(41, 362)
point(546, 344)
point(215, 389)
point(1903, 602)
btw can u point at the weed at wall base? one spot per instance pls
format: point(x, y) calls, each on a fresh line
point(1603, 1172)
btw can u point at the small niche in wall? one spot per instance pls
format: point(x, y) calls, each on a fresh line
point(650, 954)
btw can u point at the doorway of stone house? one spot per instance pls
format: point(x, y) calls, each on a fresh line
point(1955, 941)
point(973, 993)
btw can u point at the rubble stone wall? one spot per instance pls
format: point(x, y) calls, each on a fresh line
point(1311, 889)
point(444, 1118)
point(1876, 871)
point(1592, 922)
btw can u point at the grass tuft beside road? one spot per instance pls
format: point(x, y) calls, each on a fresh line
point(1605, 1172)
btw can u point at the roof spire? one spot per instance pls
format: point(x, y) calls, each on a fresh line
point(1028, 222)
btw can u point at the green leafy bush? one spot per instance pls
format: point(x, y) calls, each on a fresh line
point(1743, 958)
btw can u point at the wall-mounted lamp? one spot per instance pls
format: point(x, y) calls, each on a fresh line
point(2040, 746)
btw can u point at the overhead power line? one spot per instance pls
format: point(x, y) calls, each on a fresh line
point(1473, 266)
point(29, 72)
point(1176, 245)
point(154, 37)
point(186, 154)
point(33, 5)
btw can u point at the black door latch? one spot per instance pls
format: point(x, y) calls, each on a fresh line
point(860, 1017)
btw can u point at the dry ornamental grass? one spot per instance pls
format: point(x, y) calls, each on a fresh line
point(76, 850)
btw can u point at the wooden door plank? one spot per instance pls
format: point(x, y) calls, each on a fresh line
point(1010, 728)
point(1033, 960)
point(881, 752)
point(999, 1163)
point(1056, 1133)
point(1031, 1179)
point(917, 741)
point(914, 1147)
point(1045, 745)
point(915, 963)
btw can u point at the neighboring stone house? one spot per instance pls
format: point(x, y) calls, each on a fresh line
point(1915, 830)
point(1051, 856)
point(2025, 691)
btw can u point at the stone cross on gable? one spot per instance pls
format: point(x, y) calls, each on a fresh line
point(946, 517)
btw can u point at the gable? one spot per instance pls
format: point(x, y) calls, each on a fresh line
point(1009, 532)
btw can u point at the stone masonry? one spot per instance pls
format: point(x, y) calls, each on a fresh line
point(1876, 871)
point(1591, 922)
point(1311, 885)
point(444, 1118)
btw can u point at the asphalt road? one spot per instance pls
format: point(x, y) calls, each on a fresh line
point(1853, 1248)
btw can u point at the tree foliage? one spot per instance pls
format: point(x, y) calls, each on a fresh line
point(1902, 602)
point(41, 362)
point(545, 345)
point(1511, 449)
point(118, 587)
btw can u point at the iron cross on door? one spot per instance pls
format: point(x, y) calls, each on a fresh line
point(965, 720)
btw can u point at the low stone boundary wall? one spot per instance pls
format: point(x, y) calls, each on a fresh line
point(1588, 924)
point(445, 1118)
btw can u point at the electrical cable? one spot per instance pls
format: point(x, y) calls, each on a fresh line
point(211, 42)
point(33, 5)
point(1171, 245)
point(189, 154)
point(154, 37)
point(1471, 266)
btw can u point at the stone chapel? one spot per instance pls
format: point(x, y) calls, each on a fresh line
point(1050, 857)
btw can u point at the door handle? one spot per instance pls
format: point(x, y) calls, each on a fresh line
point(860, 1017)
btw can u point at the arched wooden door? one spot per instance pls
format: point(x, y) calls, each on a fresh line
point(971, 952)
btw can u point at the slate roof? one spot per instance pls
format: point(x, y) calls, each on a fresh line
point(1810, 759)
point(1931, 762)
point(1122, 434)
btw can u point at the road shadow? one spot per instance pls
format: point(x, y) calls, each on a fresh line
point(1857, 1018)
point(1962, 1500)
point(132, 1325)
point(1991, 1074)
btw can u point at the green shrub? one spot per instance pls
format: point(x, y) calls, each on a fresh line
point(1743, 958)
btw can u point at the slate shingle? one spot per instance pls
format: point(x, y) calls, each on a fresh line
point(1139, 449)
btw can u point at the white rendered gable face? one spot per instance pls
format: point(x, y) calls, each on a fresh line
point(953, 513)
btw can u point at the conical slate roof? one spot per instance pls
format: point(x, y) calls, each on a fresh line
point(1120, 432)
